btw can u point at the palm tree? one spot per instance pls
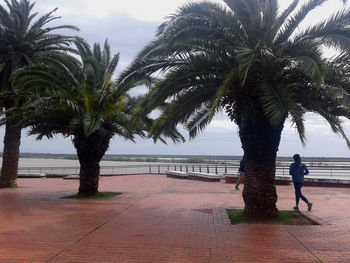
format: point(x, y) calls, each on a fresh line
point(22, 40)
point(81, 99)
point(249, 60)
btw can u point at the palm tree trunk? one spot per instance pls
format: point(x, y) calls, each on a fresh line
point(259, 193)
point(260, 142)
point(89, 177)
point(12, 141)
point(90, 150)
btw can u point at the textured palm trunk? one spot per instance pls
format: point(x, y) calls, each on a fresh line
point(89, 177)
point(260, 142)
point(90, 150)
point(9, 170)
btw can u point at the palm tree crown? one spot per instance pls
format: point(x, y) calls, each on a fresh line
point(78, 97)
point(220, 54)
point(22, 41)
point(23, 38)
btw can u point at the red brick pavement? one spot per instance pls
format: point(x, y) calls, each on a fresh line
point(159, 219)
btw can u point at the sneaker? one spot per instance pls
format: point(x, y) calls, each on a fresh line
point(296, 209)
point(309, 206)
point(236, 187)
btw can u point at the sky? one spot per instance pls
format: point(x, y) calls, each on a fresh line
point(129, 26)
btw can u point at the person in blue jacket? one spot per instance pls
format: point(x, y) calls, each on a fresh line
point(297, 170)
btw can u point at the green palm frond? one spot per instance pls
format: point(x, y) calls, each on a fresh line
point(245, 59)
point(247, 12)
point(294, 21)
point(269, 11)
point(335, 124)
point(276, 102)
point(221, 93)
point(91, 123)
point(311, 68)
point(333, 32)
point(297, 113)
point(181, 109)
point(281, 19)
point(198, 122)
point(203, 19)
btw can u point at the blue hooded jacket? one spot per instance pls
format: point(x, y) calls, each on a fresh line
point(297, 171)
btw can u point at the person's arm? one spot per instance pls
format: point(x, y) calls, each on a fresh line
point(291, 169)
point(306, 171)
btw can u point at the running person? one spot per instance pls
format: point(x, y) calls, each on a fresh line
point(297, 170)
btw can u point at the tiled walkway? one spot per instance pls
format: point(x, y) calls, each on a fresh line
point(159, 219)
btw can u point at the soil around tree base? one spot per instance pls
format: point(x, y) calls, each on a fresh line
point(284, 218)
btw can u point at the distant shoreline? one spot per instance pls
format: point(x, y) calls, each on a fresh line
point(174, 158)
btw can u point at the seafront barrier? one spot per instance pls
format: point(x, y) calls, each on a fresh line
point(316, 171)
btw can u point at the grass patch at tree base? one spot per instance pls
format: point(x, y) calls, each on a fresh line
point(284, 218)
point(98, 196)
point(10, 188)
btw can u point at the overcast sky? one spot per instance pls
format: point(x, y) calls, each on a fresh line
point(131, 24)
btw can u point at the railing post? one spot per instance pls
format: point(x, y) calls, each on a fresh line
point(200, 168)
point(150, 169)
point(180, 168)
point(186, 168)
point(175, 167)
point(207, 169)
point(216, 169)
point(225, 169)
point(158, 169)
point(283, 169)
point(192, 168)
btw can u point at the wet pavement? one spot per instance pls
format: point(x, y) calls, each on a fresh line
point(160, 219)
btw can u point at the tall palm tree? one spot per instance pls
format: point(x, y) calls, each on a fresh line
point(82, 100)
point(253, 62)
point(22, 40)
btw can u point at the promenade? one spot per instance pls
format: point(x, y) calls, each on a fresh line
point(160, 219)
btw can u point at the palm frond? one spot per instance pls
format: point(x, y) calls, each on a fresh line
point(293, 22)
point(245, 58)
point(297, 113)
point(276, 102)
point(333, 32)
point(281, 19)
point(221, 92)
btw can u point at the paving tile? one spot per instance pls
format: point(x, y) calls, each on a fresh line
point(160, 219)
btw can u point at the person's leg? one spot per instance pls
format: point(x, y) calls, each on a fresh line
point(301, 195)
point(297, 188)
point(309, 205)
point(238, 180)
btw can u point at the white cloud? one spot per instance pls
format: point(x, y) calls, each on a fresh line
point(223, 124)
point(150, 10)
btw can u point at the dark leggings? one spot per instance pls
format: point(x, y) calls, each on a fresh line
point(298, 194)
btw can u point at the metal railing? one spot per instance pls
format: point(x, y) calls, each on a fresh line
point(336, 172)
